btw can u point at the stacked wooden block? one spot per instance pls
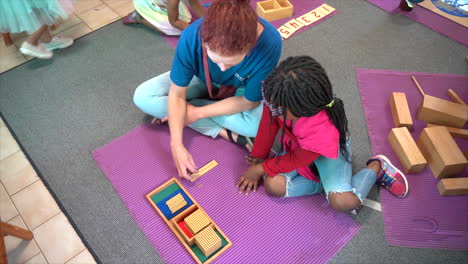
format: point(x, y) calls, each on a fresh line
point(435, 146)
point(176, 203)
point(205, 236)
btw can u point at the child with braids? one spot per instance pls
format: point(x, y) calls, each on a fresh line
point(316, 153)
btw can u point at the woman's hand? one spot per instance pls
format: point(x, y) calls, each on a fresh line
point(252, 160)
point(183, 161)
point(250, 179)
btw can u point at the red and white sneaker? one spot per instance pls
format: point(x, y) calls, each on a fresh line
point(391, 177)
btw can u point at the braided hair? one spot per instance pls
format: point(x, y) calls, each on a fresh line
point(300, 85)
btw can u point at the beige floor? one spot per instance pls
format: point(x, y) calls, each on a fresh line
point(25, 202)
point(88, 16)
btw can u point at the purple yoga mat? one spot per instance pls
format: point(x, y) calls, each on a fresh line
point(301, 7)
point(428, 18)
point(263, 229)
point(424, 219)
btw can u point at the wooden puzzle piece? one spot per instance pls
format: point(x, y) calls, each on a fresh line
point(208, 241)
point(176, 203)
point(444, 157)
point(406, 150)
point(400, 111)
point(454, 186)
point(196, 221)
point(210, 165)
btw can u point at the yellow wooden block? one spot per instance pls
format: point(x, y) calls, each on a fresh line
point(175, 203)
point(325, 9)
point(208, 241)
point(454, 186)
point(210, 165)
point(196, 221)
point(406, 150)
point(442, 153)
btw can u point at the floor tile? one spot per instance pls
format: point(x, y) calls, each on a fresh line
point(35, 204)
point(19, 250)
point(38, 259)
point(84, 5)
point(7, 208)
point(99, 16)
point(121, 7)
point(11, 60)
point(8, 143)
point(6, 50)
point(58, 240)
point(70, 22)
point(16, 173)
point(83, 258)
point(76, 31)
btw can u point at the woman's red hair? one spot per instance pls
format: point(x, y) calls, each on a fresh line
point(230, 27)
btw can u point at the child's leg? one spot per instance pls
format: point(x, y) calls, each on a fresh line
point(290, 184)
point(344, 191)
point(34, 38)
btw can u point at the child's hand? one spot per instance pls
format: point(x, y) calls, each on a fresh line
point(249, 180)
point(253, 161)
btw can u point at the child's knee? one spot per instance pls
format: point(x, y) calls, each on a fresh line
point(344, 202)
point(275, 186)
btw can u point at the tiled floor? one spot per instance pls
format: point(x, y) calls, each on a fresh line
point(88, 16)
point(25, 202)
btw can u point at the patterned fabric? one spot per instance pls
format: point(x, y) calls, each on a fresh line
point(275, 110)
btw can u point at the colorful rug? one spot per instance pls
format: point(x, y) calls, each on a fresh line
point(263, 229)
point(434, 21)
point(424, 219)
point(300, 7)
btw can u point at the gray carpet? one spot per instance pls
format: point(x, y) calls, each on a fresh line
point(62, 109)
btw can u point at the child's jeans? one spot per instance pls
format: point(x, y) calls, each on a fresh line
point(335, 177)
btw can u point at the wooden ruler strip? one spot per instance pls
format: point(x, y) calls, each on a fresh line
point(210, 165)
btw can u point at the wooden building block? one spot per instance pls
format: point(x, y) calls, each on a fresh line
point(442, 112)
point(455, 97)
point(196, 221)
point(272, 10)
point(176, 202)
point(455, 132)
point(406, 150)
point(400, 111)
point(454, 186)
point(442, 153)
point(208, 241)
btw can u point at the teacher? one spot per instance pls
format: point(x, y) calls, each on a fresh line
point(224, 57)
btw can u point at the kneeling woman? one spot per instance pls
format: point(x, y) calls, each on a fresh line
point(316, 152)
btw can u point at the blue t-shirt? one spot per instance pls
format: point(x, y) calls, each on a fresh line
point(188, 61)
